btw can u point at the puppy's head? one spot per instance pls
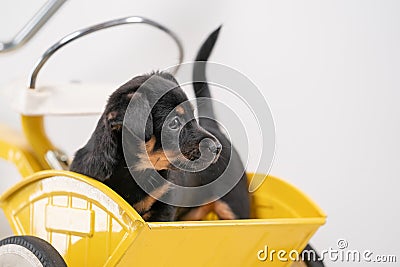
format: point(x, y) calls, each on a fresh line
point(162, 130)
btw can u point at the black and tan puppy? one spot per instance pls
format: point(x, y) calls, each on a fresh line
point(102, 158)
point(235, 204)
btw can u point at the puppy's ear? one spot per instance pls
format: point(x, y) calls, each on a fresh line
point(138, 117)
point(99, 157)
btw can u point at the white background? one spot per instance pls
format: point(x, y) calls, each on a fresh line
point(329, 70)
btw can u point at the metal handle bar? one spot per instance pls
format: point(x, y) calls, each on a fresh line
point(77, 34)
point(33, 26)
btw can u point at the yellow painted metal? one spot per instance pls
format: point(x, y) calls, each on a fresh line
point(15, 149)
point(90, 225)
point(34, 131)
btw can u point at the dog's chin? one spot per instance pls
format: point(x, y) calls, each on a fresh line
point(193, 164)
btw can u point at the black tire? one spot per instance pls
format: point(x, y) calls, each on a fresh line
point(29, 247)
point(316, 262)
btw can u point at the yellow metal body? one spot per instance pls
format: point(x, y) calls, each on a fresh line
point(27, 152)
point(34, 131)
point(90, 225)
point(15, 149)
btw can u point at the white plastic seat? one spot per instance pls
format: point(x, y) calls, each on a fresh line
point(61, 99)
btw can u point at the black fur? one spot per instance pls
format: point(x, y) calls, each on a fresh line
point(102, 158)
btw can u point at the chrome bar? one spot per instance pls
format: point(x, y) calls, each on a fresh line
point(77, 34)
point(33, 26)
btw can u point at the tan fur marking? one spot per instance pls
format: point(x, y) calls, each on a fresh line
point(223, 211)
point(159, 159)
point(146, 216)
point(155, 160)
point(148, 201)
point(197, 214)
point(149, 158)
point(180, 110)
point(112, 115)
point(150, 144)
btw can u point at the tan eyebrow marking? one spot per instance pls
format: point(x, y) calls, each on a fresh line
point(180, 110)
point(112, 115)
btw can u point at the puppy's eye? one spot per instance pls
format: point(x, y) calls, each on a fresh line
point(175, 124)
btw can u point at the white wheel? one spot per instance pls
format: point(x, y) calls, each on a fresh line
point(28, 251)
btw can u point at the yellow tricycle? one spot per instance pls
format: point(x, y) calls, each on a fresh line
point(61, 218)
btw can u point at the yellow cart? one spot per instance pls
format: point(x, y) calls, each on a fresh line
point(90, 225)
point(60, 217)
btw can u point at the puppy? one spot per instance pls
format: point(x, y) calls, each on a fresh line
point(149, 118)
point(235, 204)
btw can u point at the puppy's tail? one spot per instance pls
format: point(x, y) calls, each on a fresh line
point(200, 85)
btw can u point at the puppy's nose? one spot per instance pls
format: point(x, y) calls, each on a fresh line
point(215, 148)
